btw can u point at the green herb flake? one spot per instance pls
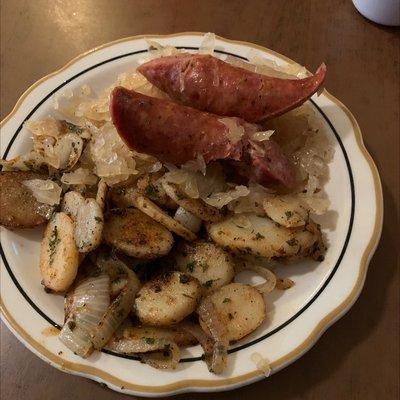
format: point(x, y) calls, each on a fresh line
point(209, 283)
point(149, 340)
point(204, 266)
point(184, 278)
point(53, 242)
point(191, 266)
point(292, 242)
point(259, 236)
point(227, 300)
point(288, 214)
point(98, 219)
point(150, 191)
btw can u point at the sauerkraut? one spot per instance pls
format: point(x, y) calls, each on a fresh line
point(87, 147)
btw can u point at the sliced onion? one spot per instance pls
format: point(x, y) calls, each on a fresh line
point(167, 358)
point(85, 308)
point(209, 316)
point(284, 283)
point(81, 176)
point(207, 45)
point(270, 278)
point(157, 352)
point(68, 149)
point(101, 194)
point(205, 341)
point(187, 219)
point(118, 310)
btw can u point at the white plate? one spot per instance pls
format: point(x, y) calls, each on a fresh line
point(296, 318)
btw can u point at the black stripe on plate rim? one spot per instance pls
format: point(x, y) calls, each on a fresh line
point(234, 349)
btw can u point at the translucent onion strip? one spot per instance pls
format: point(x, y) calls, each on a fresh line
point(86, 307)
point(209, 315)
point(270, 278)
point(117, 312)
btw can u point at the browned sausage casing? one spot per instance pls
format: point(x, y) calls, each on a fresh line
point(169, 131)
point(176, 134)
point(207, 83)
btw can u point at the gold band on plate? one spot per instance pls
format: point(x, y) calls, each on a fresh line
point(303, 347)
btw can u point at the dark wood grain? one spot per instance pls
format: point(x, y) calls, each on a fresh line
point(357, 358)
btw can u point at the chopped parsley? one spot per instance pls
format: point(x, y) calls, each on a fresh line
point(259, 236)
point(149, 340)
point(73, 128)
point(288, 214)
point(98, 219)
point(191, 266)
point(53, 242)
point(204, 266)
point(209, 283)
point(183, 278)
point(292, 242)
point(157, 289)
point(227, 300)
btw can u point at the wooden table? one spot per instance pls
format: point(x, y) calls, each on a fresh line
point(357, 358)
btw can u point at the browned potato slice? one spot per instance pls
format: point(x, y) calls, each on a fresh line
point(59, 256)
point(260, 236)
point(240, 308)
point(167, 299)
point(207, 262)
point(18, 206)
point(287, 210)
point(136, 234)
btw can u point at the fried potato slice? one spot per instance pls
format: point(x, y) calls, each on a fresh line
point(207, 262)
point(260, 236)
point(59, 256)
point(240, 308)
point(167, 299)
point(135, 234)
point(18, 206)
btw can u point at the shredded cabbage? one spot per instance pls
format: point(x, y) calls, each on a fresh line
point(208, 44)
point(80, 176)
point(221, 199)
point(262, 135)
point(235, 131)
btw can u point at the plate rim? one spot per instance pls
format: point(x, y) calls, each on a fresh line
point(205, 384)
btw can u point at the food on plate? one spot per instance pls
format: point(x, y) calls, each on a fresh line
point(260, 236)
point(208, 83)
point(59, 255)
point(208, 263)
point(176, 134)
point(135, 234)
point(159, 192)
point(239, 308)
point(167, 299)
point(18, 206)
